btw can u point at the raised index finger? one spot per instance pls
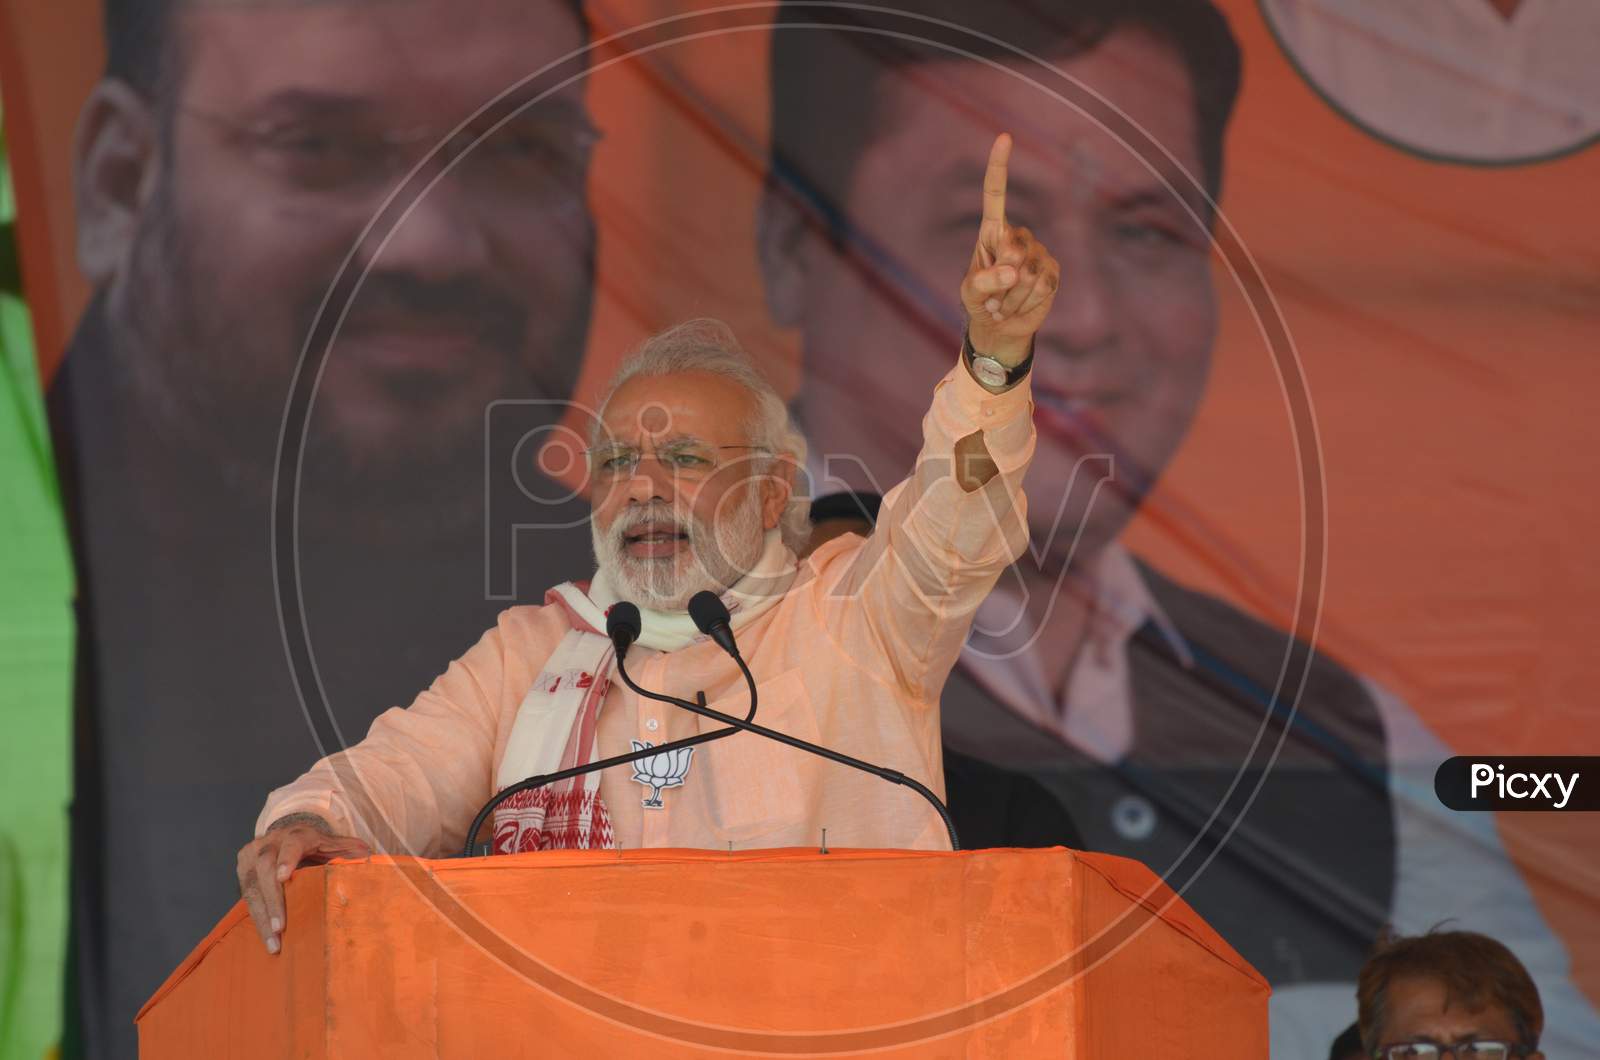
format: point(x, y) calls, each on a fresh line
point(994, 180)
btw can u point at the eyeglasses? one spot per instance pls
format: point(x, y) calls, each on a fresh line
point(539, 158)
point(1464, 1050)
point(687, 458)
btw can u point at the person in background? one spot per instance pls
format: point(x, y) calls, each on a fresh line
point(1455, 994)
point(1348, 1045)
point(837, 514)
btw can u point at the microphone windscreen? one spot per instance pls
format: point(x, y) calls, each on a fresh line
point(708, 611)
point(623, 624)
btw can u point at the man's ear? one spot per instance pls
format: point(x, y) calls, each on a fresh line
point(776, 487)
point(116, 162)
point(782, 244)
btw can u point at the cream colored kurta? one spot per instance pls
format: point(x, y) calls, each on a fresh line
point(853, 657)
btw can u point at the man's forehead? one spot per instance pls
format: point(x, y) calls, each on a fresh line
point(1424, 1005)
point(941, 118)
point(418, 56)
point(676, 406)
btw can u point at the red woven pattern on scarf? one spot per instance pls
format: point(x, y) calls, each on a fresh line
point(540, 820)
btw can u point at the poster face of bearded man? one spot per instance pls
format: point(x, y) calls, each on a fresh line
point(221, 192)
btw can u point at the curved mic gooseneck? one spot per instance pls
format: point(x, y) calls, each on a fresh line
point(711, 617)
point(623, 625)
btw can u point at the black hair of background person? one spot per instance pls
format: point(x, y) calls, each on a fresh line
point(847, 504)
point(815, 159)
point(991, 807)
point(185, 712)
point(140, 43)
point(1348, 1045)
point(1477, 973)
point(1300, 900)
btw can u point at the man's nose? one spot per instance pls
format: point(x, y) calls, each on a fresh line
point(650, 481)
point(440, 235)
point(1083, 319)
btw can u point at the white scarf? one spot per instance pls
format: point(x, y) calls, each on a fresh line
point(556, 725)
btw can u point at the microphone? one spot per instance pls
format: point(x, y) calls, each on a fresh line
point(624, 624)
point(711, 618)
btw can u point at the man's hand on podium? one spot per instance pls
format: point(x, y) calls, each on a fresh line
point(265, 864)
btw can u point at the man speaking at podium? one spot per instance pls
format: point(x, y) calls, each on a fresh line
point(692, 471)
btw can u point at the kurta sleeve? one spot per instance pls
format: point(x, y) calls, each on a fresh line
point(413, 784)
point(906, 598)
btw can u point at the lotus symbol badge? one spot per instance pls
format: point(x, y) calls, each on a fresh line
point(665, 770)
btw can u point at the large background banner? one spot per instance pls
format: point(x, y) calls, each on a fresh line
point(324, 293)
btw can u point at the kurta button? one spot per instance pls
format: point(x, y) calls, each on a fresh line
point(652, 724)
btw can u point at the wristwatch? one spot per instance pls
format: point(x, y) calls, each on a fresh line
point(990, 372)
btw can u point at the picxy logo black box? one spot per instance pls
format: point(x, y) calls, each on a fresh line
point(1490, 782)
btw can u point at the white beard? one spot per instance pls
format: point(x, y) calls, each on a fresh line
point(715, 560)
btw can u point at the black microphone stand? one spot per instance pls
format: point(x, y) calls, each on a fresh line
point(616, 760)
point(623, 627)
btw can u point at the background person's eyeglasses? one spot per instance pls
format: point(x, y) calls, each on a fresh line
point(539, 159)
point(1465, 1050)
point(688, 459)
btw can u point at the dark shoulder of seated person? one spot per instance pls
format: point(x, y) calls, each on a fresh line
point(994, 807)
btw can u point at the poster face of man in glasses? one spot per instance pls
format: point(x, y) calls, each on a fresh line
point(236, 157)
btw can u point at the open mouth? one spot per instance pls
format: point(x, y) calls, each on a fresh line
point(654, 539)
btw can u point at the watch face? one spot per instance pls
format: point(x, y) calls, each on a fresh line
point(989, 371)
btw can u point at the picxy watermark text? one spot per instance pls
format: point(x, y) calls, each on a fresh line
point(1489, 782)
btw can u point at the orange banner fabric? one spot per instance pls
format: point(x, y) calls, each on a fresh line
point(686, 953)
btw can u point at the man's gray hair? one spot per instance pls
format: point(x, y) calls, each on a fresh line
point(707, 345)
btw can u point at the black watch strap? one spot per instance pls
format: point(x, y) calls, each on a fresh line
point(1014, 374)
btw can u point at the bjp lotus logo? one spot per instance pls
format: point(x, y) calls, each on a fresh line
point(665, 770)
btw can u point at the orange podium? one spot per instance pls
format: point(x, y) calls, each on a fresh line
point(677, 953)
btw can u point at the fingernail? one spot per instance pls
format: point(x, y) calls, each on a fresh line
point(272, 945)
point(277, 925)
point(1008, 275)
point(283, 872)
